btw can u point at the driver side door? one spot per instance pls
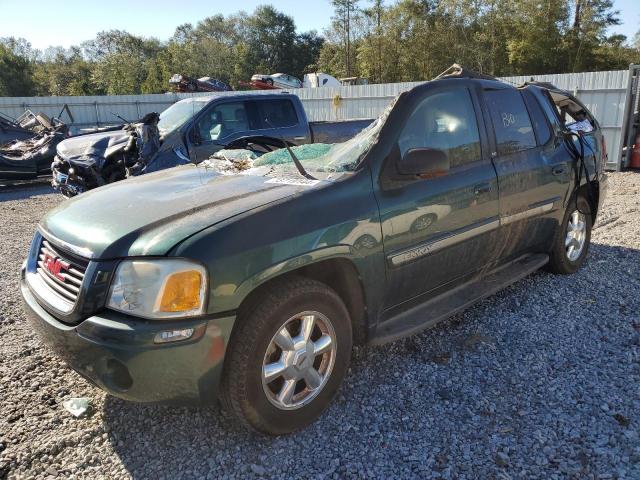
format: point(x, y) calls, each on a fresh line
point(218, 126)
point(437, 231)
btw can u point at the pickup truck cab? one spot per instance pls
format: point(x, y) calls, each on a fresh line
point(190, 130)
point(189, 285)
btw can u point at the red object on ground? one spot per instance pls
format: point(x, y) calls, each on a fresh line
point(635, 154)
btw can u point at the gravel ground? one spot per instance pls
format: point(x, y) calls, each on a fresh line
point(539, 381)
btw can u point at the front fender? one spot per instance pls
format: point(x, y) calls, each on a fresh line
point(290, 265)
point(317, 223)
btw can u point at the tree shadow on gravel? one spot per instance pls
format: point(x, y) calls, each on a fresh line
point(24, 192)
point(439, 401)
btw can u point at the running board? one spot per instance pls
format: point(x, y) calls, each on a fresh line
point(428, 314)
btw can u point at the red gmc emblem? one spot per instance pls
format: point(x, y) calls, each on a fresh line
point(55, 266)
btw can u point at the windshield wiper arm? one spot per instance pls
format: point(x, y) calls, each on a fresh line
point(295, 159)
point(121, 118)
point(297, 163)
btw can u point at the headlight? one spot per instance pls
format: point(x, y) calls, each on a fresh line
point(160, 288)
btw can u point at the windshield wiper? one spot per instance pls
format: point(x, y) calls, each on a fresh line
point(297, 163)
point(295, 159)
point(123, 119)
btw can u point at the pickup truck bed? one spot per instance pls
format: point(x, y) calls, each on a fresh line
point(336, 132)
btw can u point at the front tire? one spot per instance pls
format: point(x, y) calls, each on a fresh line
point(571, 245)
point(287, 357)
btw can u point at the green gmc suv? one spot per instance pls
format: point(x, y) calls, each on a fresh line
point(195, 284)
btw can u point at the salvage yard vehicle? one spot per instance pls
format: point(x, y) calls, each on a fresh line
point(191, 130)
point(29, 155)
point(182, 83)
point(28, 125)
point(11, 130)
point(278, 80)
point(113, 154)
point(188, 285)
point(319, 80)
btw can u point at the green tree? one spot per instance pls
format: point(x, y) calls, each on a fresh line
point(591, 20)
point(539, 45)
point(346, 14)
point(64, 72)
point(121, 61)
point(16, 72)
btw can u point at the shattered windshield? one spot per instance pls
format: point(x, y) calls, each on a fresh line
point(328, 159)
point(177, 114)
point(323, 161)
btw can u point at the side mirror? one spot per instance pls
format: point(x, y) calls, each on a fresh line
point(424, 162)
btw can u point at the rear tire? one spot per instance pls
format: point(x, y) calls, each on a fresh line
point(571, 245)
point(288, 354)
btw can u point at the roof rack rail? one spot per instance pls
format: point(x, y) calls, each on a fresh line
point(458, 71)
point(546, 85)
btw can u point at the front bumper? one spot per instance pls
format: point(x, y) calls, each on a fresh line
point(116, 352)
point(61, 181)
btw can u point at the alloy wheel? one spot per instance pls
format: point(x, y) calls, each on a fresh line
point(576, 235)
point(299, 360)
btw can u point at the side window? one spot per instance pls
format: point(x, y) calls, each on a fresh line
point(551, 110)
point(540, 124)
point(223, 120)
point(444, 121)
point(277, 113)
point(511, 122)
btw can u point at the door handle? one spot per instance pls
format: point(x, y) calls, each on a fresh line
point(482, 188)
point(559, 169)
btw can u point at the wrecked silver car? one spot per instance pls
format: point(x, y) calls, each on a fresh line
point(105, 157)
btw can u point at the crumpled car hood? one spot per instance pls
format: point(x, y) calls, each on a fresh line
point(150, 214)
point(89, 148)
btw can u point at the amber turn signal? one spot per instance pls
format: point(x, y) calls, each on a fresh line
point(182, 292)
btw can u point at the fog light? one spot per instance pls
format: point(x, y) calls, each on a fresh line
point(173, 335)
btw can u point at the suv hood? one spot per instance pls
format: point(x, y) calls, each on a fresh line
point(150, 214)
point(86, 148)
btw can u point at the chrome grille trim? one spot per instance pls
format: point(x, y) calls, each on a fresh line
point(60, 291)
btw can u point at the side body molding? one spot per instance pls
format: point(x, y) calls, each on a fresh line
point(422, 250)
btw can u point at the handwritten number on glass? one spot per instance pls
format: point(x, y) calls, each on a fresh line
point(508, 119)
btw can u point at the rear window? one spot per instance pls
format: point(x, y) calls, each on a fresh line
point(540, 124)
point(277, 113)
point(511, 121)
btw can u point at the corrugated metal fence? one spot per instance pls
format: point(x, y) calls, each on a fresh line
point(604, 93)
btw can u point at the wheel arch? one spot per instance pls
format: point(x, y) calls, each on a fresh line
point(339, 274)
point(590, 191)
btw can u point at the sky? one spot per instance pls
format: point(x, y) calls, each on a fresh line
point(64, 23)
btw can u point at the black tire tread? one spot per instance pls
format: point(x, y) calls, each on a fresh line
point(251, 323)
point(558, 261)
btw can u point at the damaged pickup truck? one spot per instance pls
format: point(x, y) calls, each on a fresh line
point(191, 130)
point(251, 284)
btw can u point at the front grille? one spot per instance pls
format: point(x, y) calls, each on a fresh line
point(64, 275)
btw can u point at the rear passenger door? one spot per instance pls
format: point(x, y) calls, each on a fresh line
point(533, 171)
